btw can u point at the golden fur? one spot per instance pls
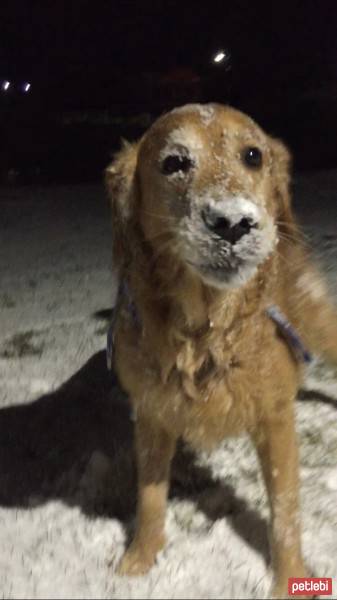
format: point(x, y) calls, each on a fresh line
point(204, 361)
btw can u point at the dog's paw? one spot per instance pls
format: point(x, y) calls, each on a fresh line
point(134, 563)
point(139, 558)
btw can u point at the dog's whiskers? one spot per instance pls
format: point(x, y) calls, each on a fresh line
point(292, 238)
point(289, 239)
point(292, 231)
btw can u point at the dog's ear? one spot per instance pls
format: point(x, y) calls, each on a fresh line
point(120, 182)
point(280, 170)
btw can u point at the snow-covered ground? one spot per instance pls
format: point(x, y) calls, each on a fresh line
point(66, 469)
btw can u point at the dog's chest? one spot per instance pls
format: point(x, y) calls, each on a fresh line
point(223, 408)
point(217, 392)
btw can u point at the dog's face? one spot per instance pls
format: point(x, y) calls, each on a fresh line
point(207, 190)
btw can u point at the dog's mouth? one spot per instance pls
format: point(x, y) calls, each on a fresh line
point(228, 274)
point(230, 266)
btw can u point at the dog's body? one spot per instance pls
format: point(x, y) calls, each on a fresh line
point(206, 241)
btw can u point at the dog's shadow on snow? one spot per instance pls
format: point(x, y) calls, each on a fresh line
point(76, 445)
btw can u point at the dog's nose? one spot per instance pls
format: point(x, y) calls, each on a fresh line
point(223, 228)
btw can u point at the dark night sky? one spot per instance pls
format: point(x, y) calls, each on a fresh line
point(65, 40)
point(110, 56)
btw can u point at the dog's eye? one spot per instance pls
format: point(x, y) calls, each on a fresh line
point(174, 163)
point(252, 157)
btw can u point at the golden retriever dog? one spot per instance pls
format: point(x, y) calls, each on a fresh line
point(218, 305)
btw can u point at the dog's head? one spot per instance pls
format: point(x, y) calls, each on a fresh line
point(206, 184)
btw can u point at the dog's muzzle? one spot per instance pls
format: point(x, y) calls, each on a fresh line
point(225, 229)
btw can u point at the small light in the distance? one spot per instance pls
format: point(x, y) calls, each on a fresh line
point(26, 87)
point(5, 85)
point(218, 58)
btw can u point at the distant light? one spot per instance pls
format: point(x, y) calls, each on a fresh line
point(5, 85)
point(219, 56)
point(26, 87)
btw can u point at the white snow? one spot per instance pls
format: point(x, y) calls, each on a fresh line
point(183, 141)
point(331, 480)
point(66, 477)
point(205, 111)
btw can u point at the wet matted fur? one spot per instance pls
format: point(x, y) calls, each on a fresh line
point(205, 241)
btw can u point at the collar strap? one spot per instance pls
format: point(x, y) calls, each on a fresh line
point(289, 333)
point(285, 327)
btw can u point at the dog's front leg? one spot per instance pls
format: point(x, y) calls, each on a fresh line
point(277, 449)
point(154, 451)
